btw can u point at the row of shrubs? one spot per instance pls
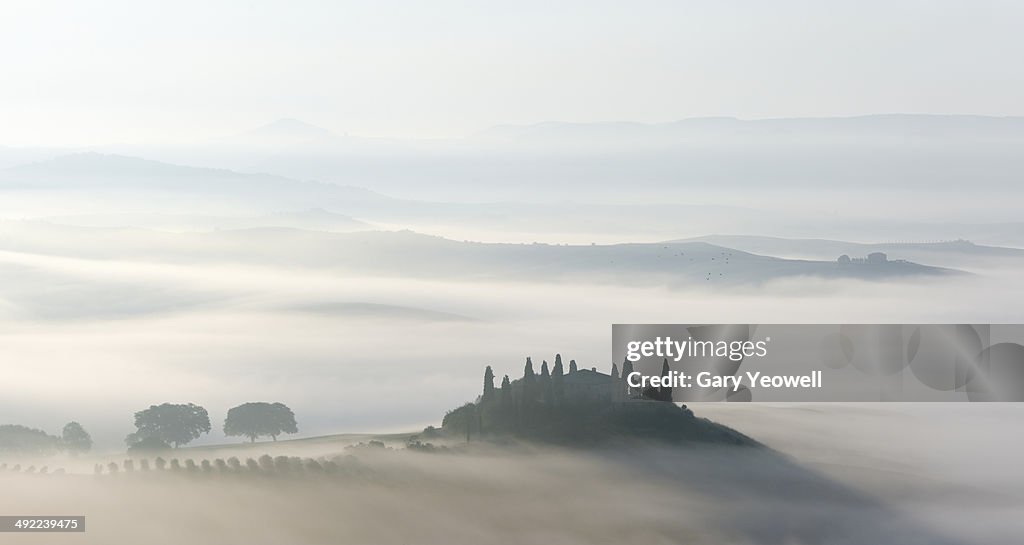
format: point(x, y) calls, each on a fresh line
point(264, 464)
point(16, 468)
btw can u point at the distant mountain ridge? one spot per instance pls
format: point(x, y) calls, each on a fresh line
point(932, 252)
point(285, 132)
point(316, 219)
point(911, 127)
point(122, 175)
point(617, 160)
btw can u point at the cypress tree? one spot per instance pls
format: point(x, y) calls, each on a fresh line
point(507, 407)
point(545, 382)
point(557, 385)
point(529, 389)
point(572, 366)
point(627, 369)
point(618, 392)
point(506, 391)
point(488, 384)
point(666, 391)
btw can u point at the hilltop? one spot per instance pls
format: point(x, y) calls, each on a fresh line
point(830, 249)
point(581, 407)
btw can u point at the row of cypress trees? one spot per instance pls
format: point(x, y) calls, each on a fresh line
point(548, 385)
point(233, 465)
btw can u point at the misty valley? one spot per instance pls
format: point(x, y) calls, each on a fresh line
point(582, 440)
point(654, 272)
point(278, 337)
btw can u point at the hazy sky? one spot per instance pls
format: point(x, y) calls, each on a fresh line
point(117, 71)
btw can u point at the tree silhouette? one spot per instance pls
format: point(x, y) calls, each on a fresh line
point(266, 463)
point(75, 439)
point(627, 369)
point(529, 382)
point(666, 391)
point(171, 423)
point(545, 383)
point(257, 419)
point(488, 383)
point(557, 384)
point(506, 392)
point(22, 440)
point(572, 366)
point(663, 393)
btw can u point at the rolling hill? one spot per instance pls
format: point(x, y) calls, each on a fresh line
point(412, 255)
point(952, 251)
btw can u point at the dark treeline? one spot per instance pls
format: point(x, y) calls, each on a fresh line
point(579, 406)
point(22, 440)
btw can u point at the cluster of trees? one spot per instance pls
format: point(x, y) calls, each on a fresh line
point(173, 425)
point(514, 408)
point(346, 464)
point(158, 427)
point(539, 405)
point(15, 439)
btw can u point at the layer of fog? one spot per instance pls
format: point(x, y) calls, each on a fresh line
point(575, 222)
point(526, 494)
point(729, 159)
point(93, 330)
point(954, 466)
point(96, 339)
point(98, 323)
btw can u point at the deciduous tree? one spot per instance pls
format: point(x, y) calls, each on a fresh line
point(75, 439)
point(174, 424)
point(258, 419)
